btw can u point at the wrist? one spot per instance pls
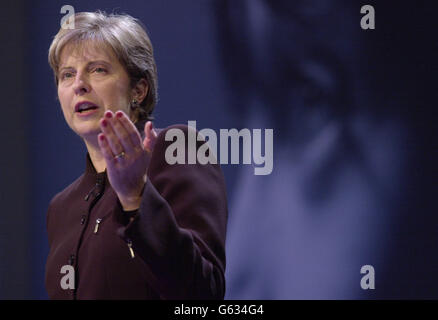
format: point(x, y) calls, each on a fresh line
point(132, 203)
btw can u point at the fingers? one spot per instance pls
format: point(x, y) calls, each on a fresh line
point(111, 138)
point(118, 137)
point(121, 133)
point(129, 128)
point(105, 148)
point(150, 136)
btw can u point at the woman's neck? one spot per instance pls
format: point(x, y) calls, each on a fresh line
point(96, 155)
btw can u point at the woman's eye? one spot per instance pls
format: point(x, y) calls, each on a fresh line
point(100, 70)
point(67, 75)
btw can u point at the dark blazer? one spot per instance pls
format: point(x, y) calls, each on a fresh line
point(177, 236)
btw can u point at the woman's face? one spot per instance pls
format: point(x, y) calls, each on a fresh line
point(91, 81)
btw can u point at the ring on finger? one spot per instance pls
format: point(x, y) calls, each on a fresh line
point(120, 155)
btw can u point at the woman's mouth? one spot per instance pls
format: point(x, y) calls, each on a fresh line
point(86, 112)
point(85, 108)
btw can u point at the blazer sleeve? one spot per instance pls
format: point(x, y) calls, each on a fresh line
point(180, 228)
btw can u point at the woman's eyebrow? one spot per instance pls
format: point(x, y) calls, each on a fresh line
point(92, 63)
point(65, 68)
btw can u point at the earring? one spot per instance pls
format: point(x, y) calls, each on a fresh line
point(134, 104)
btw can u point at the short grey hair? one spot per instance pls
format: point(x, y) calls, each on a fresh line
point(128, 39)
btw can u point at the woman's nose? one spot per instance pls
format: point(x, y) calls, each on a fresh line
point(81, 86)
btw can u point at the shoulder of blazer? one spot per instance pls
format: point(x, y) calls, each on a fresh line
point(161, 142)
point(61, 196)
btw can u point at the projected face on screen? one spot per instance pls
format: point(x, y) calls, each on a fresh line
point(324, 213)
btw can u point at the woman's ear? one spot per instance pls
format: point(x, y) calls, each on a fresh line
point(140, 90)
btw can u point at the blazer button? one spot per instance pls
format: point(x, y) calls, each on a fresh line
point(83, 219)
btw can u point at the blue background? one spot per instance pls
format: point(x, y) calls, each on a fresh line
point(354, 138)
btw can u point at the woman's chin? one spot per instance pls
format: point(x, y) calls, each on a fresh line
point(87, 131)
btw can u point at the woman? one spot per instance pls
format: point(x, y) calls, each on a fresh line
point(132, 226)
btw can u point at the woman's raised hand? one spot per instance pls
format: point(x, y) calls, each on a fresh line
point(126, 155)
